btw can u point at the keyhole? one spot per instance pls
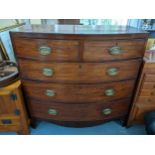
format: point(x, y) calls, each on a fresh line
point(80, 66)
point(152, 93)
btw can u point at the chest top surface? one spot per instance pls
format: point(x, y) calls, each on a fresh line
point(79, 29)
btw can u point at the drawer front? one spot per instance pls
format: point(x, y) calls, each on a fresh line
point(149, 68)
point(79, 72)
point(150, 77)
point(78, 112)
point(8, 102)
point(149, 85)
point(140, 111)
point(147, 92)
point(46, 50)
point(146, 100)
point(113, 50)
point(9, 121)
point(78, 93)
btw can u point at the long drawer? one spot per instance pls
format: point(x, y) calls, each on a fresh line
point(113, 50)
point(46, 49)
point(79, 72)
point(78, 112)
point(78, 92)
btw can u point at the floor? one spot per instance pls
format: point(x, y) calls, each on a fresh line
point(109, 128)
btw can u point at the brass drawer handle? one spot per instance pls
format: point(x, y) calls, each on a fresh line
point(112, 71)
point(110, 92)
point(47, 72)
point(115, 50)
point(52, 112)
point(45, 50)
point(50, 93)
point(107, 111)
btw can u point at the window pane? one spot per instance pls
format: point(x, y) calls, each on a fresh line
point(104, 21)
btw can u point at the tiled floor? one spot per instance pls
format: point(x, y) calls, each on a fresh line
point(109, 128)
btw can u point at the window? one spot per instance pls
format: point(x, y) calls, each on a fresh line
point(103, 21)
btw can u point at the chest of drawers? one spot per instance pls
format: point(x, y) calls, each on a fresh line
point(144, 100)
point(74, 75)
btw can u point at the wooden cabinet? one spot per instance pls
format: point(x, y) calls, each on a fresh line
point(144, 100)
point(78, 74)
point(13, 116)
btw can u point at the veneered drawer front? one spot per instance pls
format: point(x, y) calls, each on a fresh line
point(140, 111)
point(146, 100)
point(149, 85)
point(78, 92)
point(79, 72)
point(46, 49)
point(147, 92)
point(78, 112)
point(113, 50)
point(9, 121)
point(149, 77)
point(149, 67)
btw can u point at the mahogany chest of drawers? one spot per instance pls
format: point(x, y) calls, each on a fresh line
point(74, 74)
point(144, 100)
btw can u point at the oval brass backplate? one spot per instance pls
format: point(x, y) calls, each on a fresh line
point(45, 50)
point(115, 50)
point(110, 92)
point(47, 72)
point(112, 71)
point(107, 111)
point(52, 112)
point(50, 93)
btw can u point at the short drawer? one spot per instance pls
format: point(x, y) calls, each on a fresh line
point(78, 112)
point(9, 121)
point(113, 50)
point(149, 77)
point(78, 92)
point(149, 67)
point(79, 72)
point(147, 92)
point(146, 100)
point(140, 111)
point(46, 49)
point(149, 85)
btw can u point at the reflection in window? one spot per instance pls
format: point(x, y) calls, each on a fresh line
point(103, 21)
